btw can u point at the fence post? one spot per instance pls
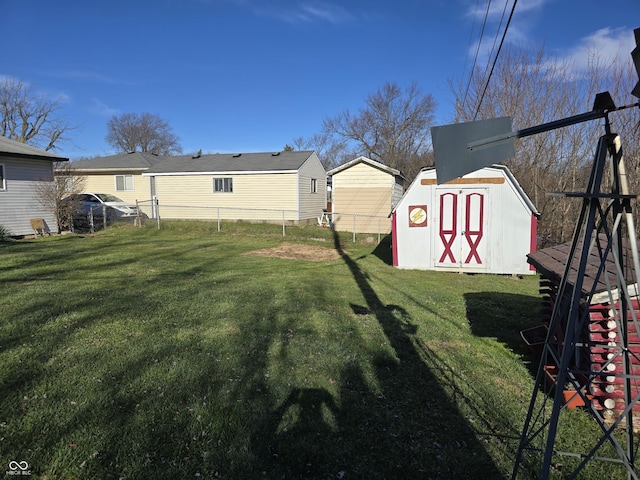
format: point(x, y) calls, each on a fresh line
point(157, 204)
point(218, 219)
point(92, 228)
point(378, 230)
point(283, 231)
point(354, 228)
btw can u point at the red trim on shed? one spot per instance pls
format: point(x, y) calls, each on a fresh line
point(534, 238)
point(448, 233)
point(474, 236)
point(394, 240)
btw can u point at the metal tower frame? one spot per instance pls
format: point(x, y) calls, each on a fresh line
point(599, 239)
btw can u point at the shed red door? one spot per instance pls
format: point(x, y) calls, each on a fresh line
point(460, 236)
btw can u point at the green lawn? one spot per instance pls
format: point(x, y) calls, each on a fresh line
point(137, 353)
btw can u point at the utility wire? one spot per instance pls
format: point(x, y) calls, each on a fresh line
point(475, 58)
point(495, 40)
point(495, 60)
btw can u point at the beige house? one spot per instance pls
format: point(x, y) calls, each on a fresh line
point(363, 194)
point(119, 175)
point(244, 186)
point(278, 186)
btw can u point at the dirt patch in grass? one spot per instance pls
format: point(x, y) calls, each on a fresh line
point(297, 252)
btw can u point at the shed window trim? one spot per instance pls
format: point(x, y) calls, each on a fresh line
point(124, 183)
point(3, 177)
point(314, 185)
point(223, 185)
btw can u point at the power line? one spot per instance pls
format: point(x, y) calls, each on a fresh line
point(495, 60)
point(495, 39)
point(475, 58)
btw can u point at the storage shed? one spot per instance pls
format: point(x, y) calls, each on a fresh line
point(363, 194)
point(480, 223)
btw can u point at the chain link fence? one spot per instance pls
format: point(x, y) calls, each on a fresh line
point(355, 223)
point(100, 217)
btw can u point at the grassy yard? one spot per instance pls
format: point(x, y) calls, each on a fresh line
point(137, 353)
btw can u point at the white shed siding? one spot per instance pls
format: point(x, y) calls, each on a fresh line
point(506, 222)
point(20, 202)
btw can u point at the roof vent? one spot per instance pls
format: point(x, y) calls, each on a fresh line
point(236, 155)
point(275, 154)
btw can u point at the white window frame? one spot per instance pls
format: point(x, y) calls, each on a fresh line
point(226, 185)
point(3, 177)
point(124, 183)
point(314, 185)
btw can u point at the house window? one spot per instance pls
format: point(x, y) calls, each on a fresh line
point(223, 185)
point(314, 185)
point(3, 183)
point(124, 183)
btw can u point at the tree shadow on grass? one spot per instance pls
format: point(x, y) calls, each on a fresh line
point(503, 316)
point(404, 425)
point(383, 250)
point(176, 393)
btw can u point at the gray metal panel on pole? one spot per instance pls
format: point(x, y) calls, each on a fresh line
point(451, 147)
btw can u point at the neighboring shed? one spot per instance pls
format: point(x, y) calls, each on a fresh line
point(119, 175)
point(289, 185)
point(363, 193)
point(482, 222)
point(25, 171)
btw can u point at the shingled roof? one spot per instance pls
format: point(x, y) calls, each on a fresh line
point(134, 161)
point(151, 164)
point(11, 148)
point(289, 161)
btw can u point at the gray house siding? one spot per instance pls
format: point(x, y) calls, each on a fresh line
point(312, 203)
point(19, 200)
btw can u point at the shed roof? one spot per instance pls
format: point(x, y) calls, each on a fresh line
point(368, 161)
point(280, 162)
point(11, 148)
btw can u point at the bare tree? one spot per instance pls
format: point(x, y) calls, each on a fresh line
point(331, 151)
point(533, 88)
point(28, 117)
point(52, 193)
point(144, 132)
point(392, 127)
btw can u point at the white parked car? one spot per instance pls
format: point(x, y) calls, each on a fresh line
point(97, 205)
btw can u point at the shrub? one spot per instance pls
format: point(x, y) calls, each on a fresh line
point(5, 234)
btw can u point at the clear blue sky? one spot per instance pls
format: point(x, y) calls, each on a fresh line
point(252, 75)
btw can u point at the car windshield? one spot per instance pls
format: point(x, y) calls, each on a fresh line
point(105, 197)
